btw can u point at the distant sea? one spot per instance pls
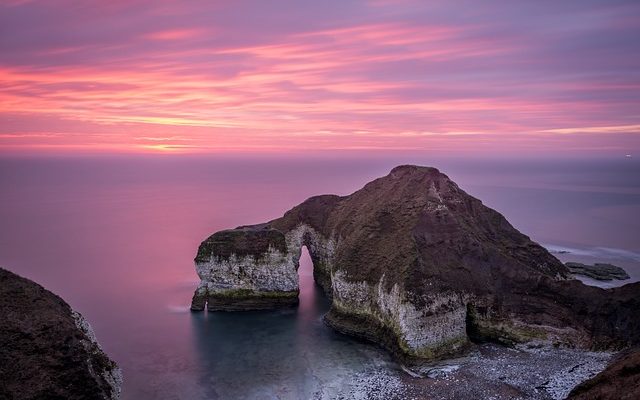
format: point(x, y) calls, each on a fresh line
point(116, 236)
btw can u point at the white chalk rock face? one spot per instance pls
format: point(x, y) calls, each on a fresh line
point(417, 330)
point(247, 268)
point(112, 376)
point(253, 267)
point(241, 278)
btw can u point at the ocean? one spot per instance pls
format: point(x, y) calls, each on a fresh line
point(115, 236)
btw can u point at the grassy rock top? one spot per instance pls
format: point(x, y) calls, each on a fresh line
point(242, 241)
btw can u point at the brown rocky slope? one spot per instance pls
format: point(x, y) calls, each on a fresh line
point(414, 263)
point(47, 350)
point(620, 381)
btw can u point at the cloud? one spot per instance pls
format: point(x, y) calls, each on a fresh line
point(176, 34)
point(349, 74)
point(597, 129)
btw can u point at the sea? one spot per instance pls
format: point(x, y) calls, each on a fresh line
point(115, 236)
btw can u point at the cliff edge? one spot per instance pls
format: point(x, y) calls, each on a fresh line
point(47, 350)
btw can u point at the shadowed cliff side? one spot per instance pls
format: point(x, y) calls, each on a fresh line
point(47, 350)
point(414, 263)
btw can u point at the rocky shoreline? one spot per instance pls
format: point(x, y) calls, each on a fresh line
point(487, 371)
point(620, 380)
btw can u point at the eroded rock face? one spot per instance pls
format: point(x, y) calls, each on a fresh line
point(47, 350)
point(414, 263)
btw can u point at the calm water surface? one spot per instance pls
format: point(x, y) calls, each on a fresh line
point(115, 237)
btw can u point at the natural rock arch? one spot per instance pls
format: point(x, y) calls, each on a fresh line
point(256, 267)
point(414, 263)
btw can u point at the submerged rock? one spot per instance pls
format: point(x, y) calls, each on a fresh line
point(414, 263)
point(47, 350)
point(598, 271)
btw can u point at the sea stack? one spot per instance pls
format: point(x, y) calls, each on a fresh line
point(47, 350)
point(414, 263)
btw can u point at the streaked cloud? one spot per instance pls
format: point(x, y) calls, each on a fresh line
point(247, 75)
point(176, 34)
point(597, 129)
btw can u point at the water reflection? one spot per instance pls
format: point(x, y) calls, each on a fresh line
point(270, 354)
point(313, 302)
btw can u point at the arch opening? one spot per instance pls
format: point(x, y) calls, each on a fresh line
point(311, 296)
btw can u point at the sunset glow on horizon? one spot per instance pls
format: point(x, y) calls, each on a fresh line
point(380, 75)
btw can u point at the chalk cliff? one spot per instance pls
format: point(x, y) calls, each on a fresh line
point(414, 263)
point(47, 350)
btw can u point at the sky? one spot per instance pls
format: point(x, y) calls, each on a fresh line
point(462, 77)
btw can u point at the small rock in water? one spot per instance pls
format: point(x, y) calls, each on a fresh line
point(598, 271)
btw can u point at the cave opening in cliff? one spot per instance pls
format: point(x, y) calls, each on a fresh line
point(311, 295)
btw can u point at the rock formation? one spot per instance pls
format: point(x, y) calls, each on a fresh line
point(414, 263)
point(598, 271)
point(47, 350)
point(620, 381)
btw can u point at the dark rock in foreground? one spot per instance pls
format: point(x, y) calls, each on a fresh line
point(47, 350)
point(620, 381)
point(598, 271)
point(414, 263)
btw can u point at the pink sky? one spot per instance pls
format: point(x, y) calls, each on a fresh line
point(280, 76)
